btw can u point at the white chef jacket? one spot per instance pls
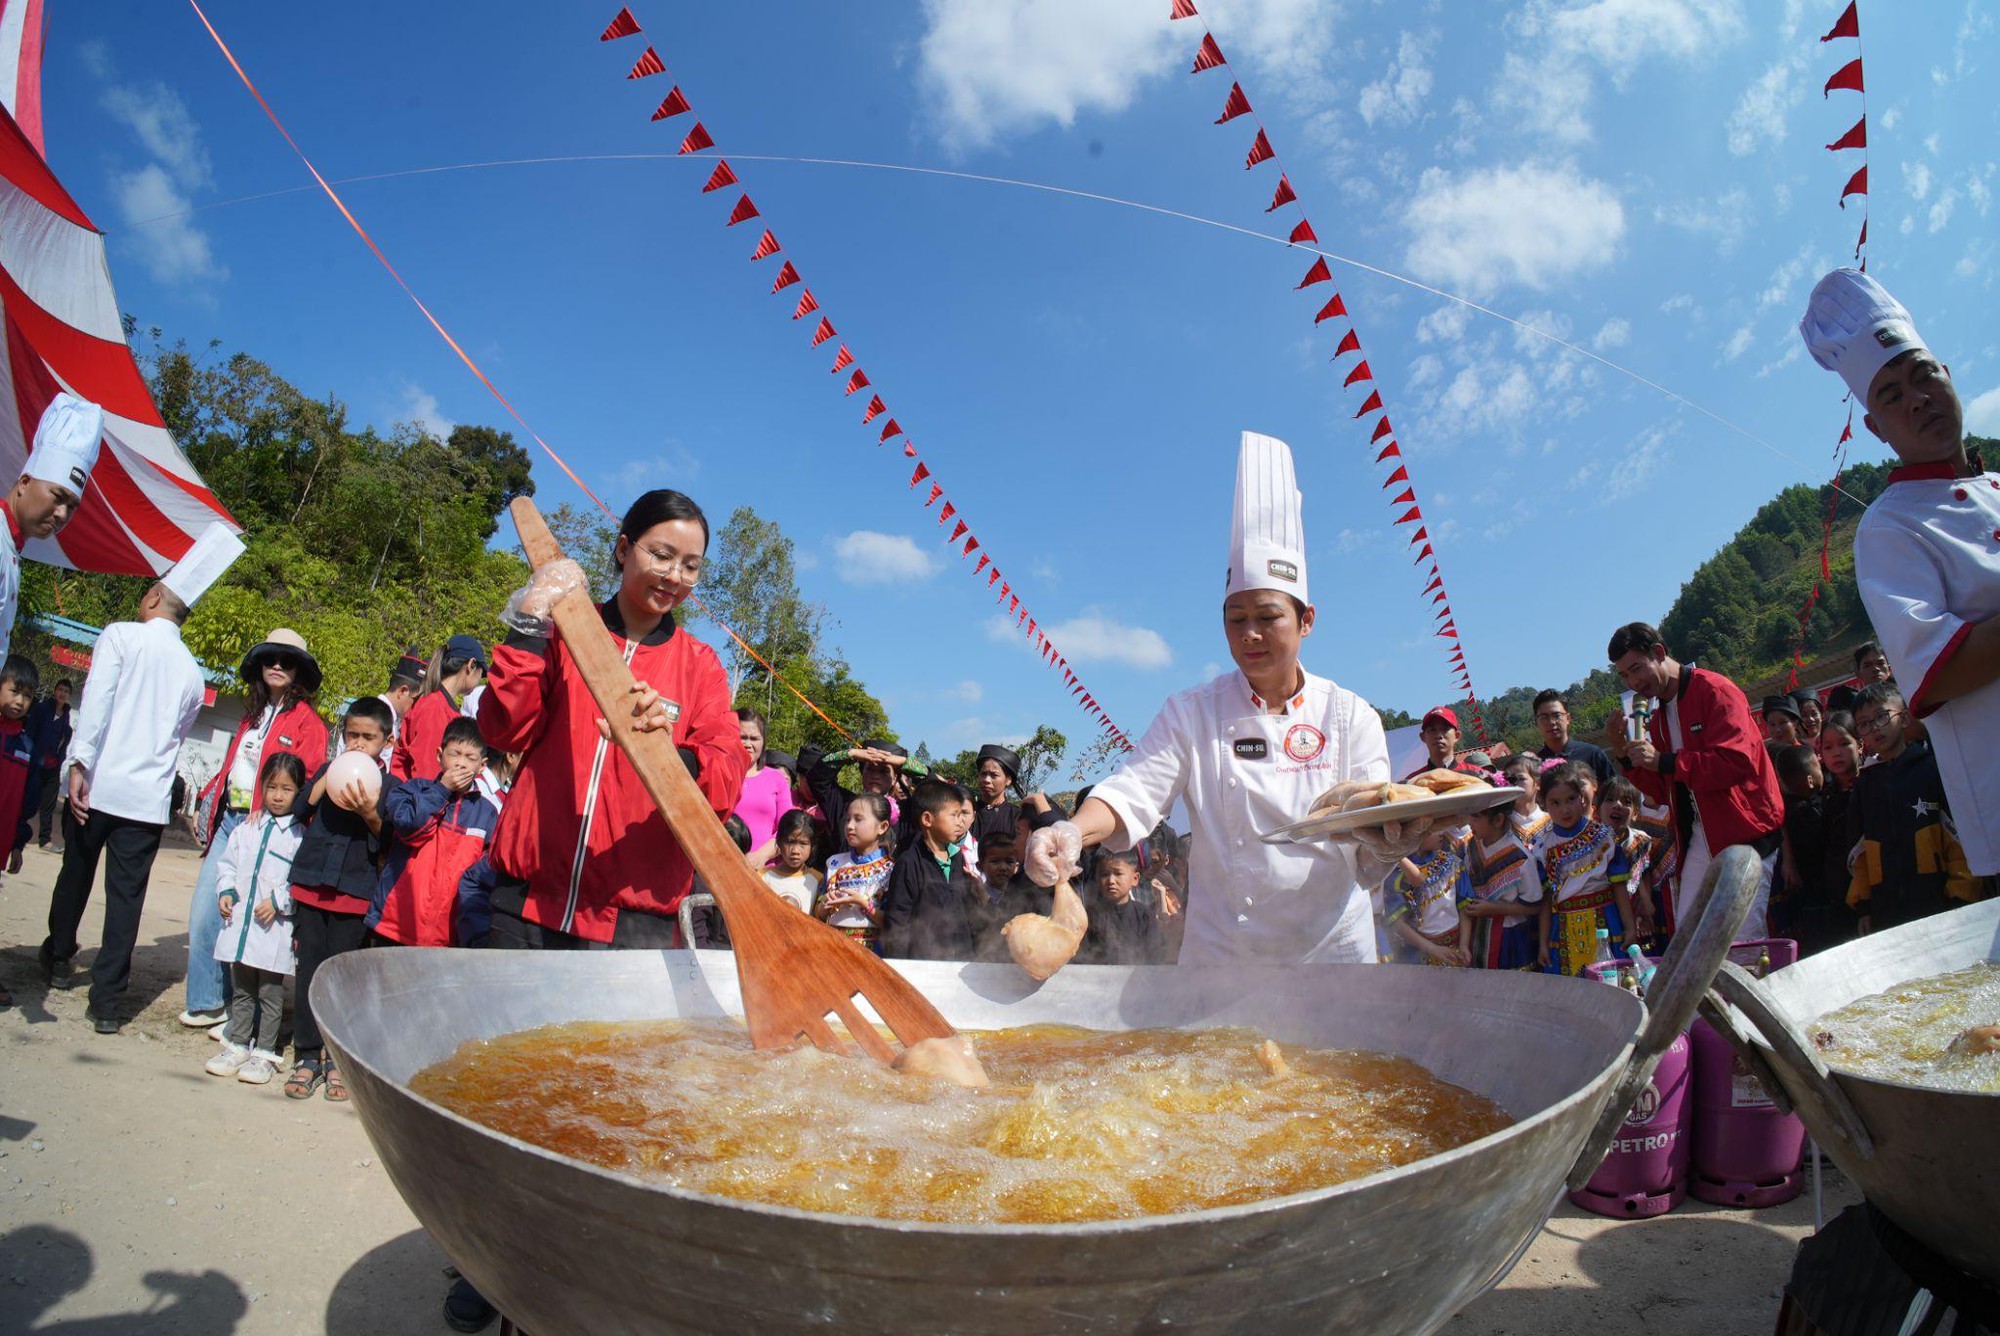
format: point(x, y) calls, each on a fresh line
point(1244, 772)
point(139, 701)
point(10, 582)
point(1927, 557)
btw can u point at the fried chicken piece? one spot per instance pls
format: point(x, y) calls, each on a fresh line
point(1272, 1060)
point(949, 1059)
point(1979, 1039)
point(1041, 944)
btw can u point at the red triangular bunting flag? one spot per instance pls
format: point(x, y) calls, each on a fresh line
point(909, 448)
point(1863, 242)
point(786, 277)
point(1408, 498)
point(1014, 604)
point(743, 212)
point(889, 429)
point(856, 381)
point(672, 105)
point(948, 511)
point(1400, 475)
point(1388, 451)
point(1381, 429)
point(1847, 25)
point(1319, 273)
point(1350, 344)
point(1410, 515)
point(1031, 626)
point(1855, 138)
point(1425, 553)
point(1333, 308)
point(1421, 535)
point(1301, 232)
point(931, 500)
point(697, 139)
point(648, 64)
point(970, 544)
point(807, 305)
point(1857, 184)
point(1848, 76)
point(876, 408)
point(1209, 56)
point(767, 246)
point(1237, 105)
point(1283, 195)
point(1436, 583)
point(983, 559)
point(720, 177)
point(923, 471)
point(991, 578)
point(957, 532)
point(1004, 586)
point(622, 26)
point(1846, 432)
point(1374, 404)
point(1183, 9)
point(1360, 372)
point(823, 333)
point(842, 359)
point(1439, 597)
point(1261, 151)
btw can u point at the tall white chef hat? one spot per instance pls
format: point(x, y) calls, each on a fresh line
point(212, 554)
point(1852, 326)
point(66, 442)
point(1267, 534)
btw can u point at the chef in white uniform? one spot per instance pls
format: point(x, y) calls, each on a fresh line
point(1249, 752)
point(48, 491)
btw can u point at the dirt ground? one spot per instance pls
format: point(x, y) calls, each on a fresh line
point(139, 1194)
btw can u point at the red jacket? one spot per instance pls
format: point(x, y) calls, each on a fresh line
point(1722, 764)
point(579, 877)
point(297, 729)
point(420, 734)
point(439, 834)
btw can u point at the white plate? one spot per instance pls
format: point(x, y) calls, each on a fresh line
point(1327, 824)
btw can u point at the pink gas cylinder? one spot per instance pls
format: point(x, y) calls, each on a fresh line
point(1746, 1153)
point(1645, 1172)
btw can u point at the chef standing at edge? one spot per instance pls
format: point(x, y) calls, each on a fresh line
point(1250, 751)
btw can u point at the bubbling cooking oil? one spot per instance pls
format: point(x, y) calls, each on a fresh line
point(1913, 1033)
point(1077, 1124)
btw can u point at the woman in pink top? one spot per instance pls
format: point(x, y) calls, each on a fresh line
point(767, 790)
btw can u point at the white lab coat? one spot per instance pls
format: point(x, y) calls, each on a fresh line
point(257, 866)
point(139, 702)
point(1243, 772)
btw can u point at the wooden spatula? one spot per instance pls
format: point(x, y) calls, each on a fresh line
point(795, 971)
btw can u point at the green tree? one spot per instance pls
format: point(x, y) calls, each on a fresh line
point(750, 582)
point(1040, 756)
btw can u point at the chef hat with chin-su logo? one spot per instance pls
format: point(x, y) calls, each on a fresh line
point(1267, 534)
point(1854, 328)
point(67, 440)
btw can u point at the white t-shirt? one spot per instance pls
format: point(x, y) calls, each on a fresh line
point(799, 889)
point(249, 756)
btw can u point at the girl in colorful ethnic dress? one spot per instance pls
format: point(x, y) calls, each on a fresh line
point(1523, 771)
point(855, 880)
point(1585, 871)
point(1421, 904)
point(1506, 904)
point(1618, 808)
point(254, 894)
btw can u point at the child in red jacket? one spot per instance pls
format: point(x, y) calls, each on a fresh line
point(20, 767)
point(442, 828)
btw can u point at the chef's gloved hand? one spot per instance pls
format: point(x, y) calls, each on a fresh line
point(531, 610)
point(1052, 853)
point(1391, 841)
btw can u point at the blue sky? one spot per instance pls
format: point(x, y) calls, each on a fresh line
point(1644, 178)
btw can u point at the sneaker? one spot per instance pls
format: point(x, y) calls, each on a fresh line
point(203, 1020)
point(229, 1062)
point(258, 1070)
point(219, 1033)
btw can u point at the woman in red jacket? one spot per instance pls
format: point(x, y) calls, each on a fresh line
point(583, 857)
point(281, 678)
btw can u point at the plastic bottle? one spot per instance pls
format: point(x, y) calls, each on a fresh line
point(1646, 969)
point(1603, 956)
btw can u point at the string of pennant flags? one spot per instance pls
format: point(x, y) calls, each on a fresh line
point(1848, 78)
point(1382, 435)
point(958, 532)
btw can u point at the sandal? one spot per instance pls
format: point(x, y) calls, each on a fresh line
point(336, 1089)
point(307, 1077)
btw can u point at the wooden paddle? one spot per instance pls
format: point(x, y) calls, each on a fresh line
point(795, 971)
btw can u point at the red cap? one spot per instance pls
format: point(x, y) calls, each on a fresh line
point(1441, 712)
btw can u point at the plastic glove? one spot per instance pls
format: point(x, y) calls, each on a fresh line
point(1391, 841)
point(1052, 853)
point(530, 610)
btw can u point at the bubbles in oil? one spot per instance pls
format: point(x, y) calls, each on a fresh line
point(1914, 1032)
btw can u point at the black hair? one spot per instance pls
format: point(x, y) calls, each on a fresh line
point(1863, 650)
point(747, 715)
point(1620, 790)
point(22, 673)
point(1519, 764)
point(1106, 857)
point(877, 801)
point(1571, 773)
point(62, 682)
point(662, 505)
point(738, 832)
point(1639, 636)
point(375, 708)
point(462, 729)
point(291, 766)
point(1793, 763)
point(1840, 719)
point(1544, 697)
point(933, 796)
point(257, 692)
point(1886, 694)
point(796, 822)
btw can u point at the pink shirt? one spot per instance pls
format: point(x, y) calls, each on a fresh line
point(767, 795)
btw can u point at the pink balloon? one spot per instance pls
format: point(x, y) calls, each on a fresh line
point(351, 766)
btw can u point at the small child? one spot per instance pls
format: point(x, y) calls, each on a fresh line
point(443, 826)
point(1421, 901)
point(20, 764)
point(1123, 930)
point(333, 885)
point(1585, 871)
point(1506, 901)
point(1909, 864)
point(1524, 771)
point(254, 893)
point(931, 905)
point(1796, 888)
point(1618, 808)
point(788, 875)
point(705, 928)
point(856, 879)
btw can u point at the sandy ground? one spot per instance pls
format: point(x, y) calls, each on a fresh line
point(139, 1194)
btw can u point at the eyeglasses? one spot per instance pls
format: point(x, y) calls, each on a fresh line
point(669, 563)
point(1875, 723)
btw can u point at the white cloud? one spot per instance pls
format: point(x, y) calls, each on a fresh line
point(1614, 333)
point(1444, 325)
point(419, 407)
point(1726, 218)
point(160, 120)
point(1759, 118)
point(172, 249)
point(1680, 301)
point(1349, 541)
point(1982, 415)
point(1549, 77)
point(1397, 97)
point(1091, 638)
point(1941, 208)
point(968, 691)
point(1636, 467)
point(1917, 178)
point(867, 557)
point(669, 466)
point(1739, 342)
point(1530, 225)
point(1892, 118)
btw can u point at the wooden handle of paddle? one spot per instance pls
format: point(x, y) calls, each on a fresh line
point(715, 856)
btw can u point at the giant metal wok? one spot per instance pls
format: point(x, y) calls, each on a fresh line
point(563, 1246)
point(1930, 1159)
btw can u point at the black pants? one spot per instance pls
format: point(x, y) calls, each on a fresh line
point(318, 935)
point(128, 848)
point(51, 795)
